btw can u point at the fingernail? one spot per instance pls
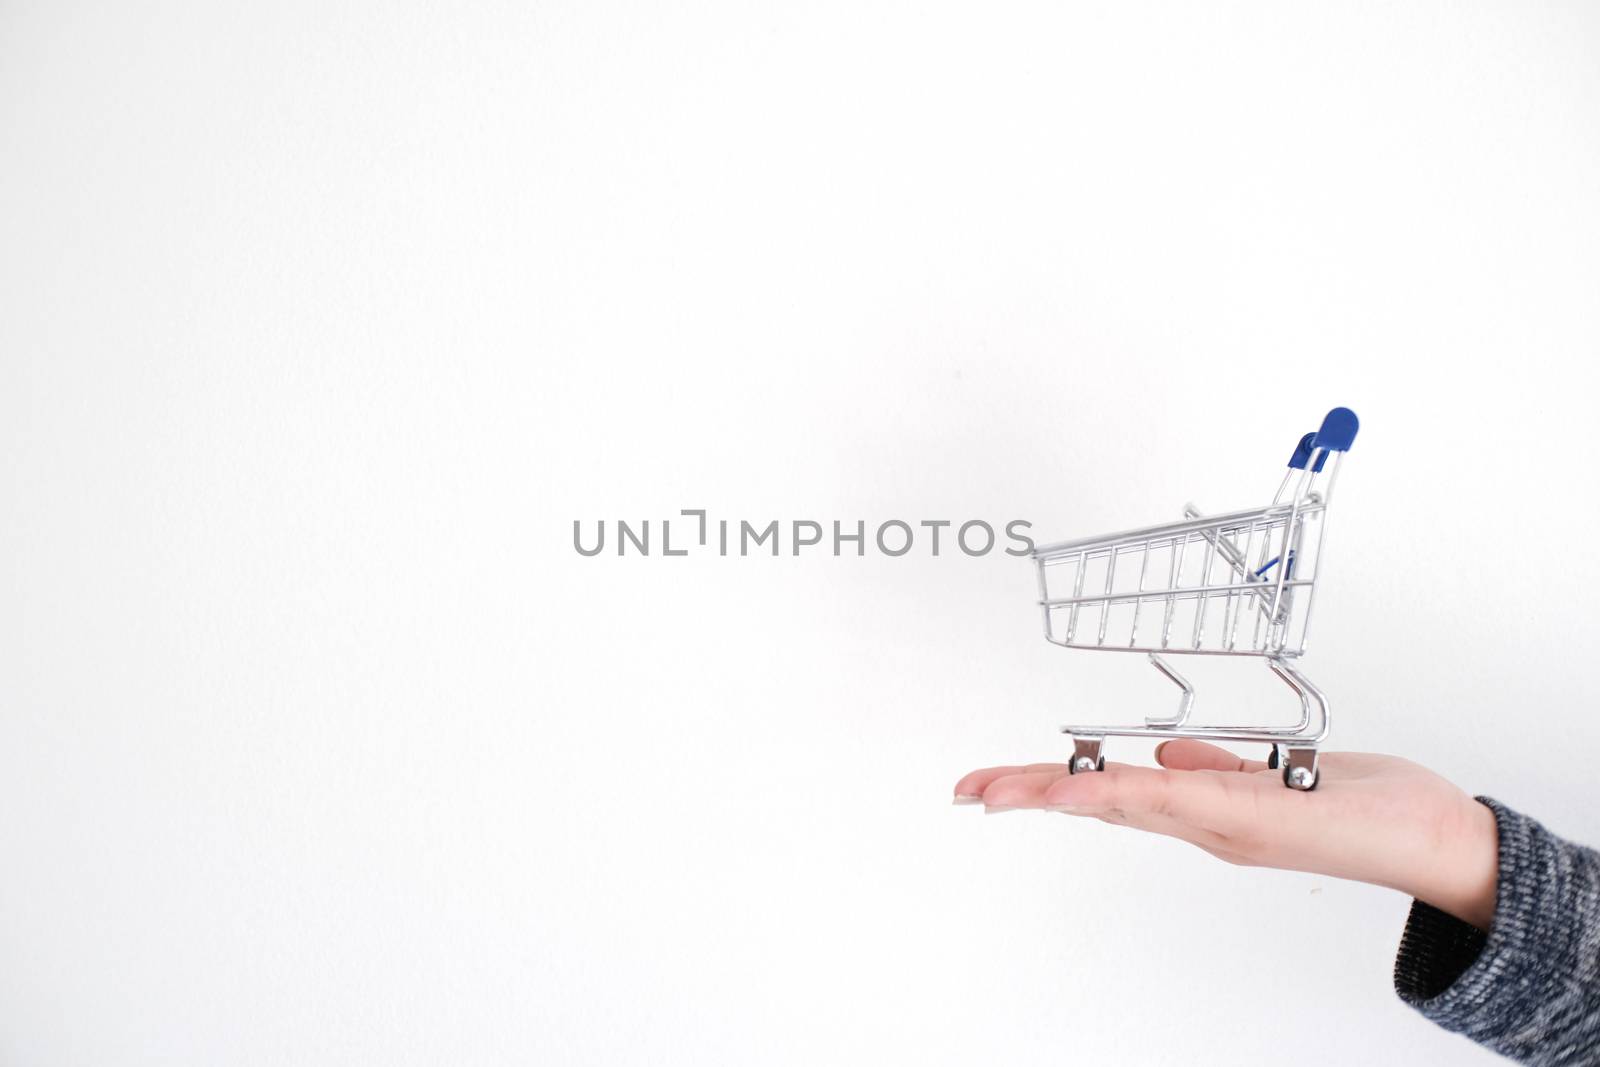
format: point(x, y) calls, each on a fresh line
point(995, 809)
point(968, 798)
point(1068, 809)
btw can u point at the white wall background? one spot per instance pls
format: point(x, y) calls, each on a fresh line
point(321, 323)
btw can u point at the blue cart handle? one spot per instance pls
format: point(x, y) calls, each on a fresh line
point(1337, 434)
point(1338, 430)
point(1302, 452)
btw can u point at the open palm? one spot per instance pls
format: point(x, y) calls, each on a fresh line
point(1372, 818)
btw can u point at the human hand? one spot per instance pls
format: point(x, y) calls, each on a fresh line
point(1377, 819)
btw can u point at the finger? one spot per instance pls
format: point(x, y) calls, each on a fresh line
point(1188, 755)
point(1167, 826)
point(1024, 790)
point(1197, 799)
point(970, 789)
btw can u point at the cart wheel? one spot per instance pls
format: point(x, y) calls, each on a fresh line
point(1300, 779)
point(1300, 770)
point(1086, 755)
point(1272, 759)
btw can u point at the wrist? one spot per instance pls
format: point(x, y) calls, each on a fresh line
point(1463, 877)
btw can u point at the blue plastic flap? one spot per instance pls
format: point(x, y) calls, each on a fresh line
point(1338, 430)
point(1302, 452)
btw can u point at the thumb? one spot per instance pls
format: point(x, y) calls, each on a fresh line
point(1186, 755)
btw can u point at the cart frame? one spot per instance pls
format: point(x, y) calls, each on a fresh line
point(1261, 564)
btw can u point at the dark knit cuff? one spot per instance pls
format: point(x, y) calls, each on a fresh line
point(1512, 989)
point(1435, 950)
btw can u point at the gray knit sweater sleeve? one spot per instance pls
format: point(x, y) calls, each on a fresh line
point(1530, 988)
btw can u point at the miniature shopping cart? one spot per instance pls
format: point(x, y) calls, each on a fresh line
point(1239, 584)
